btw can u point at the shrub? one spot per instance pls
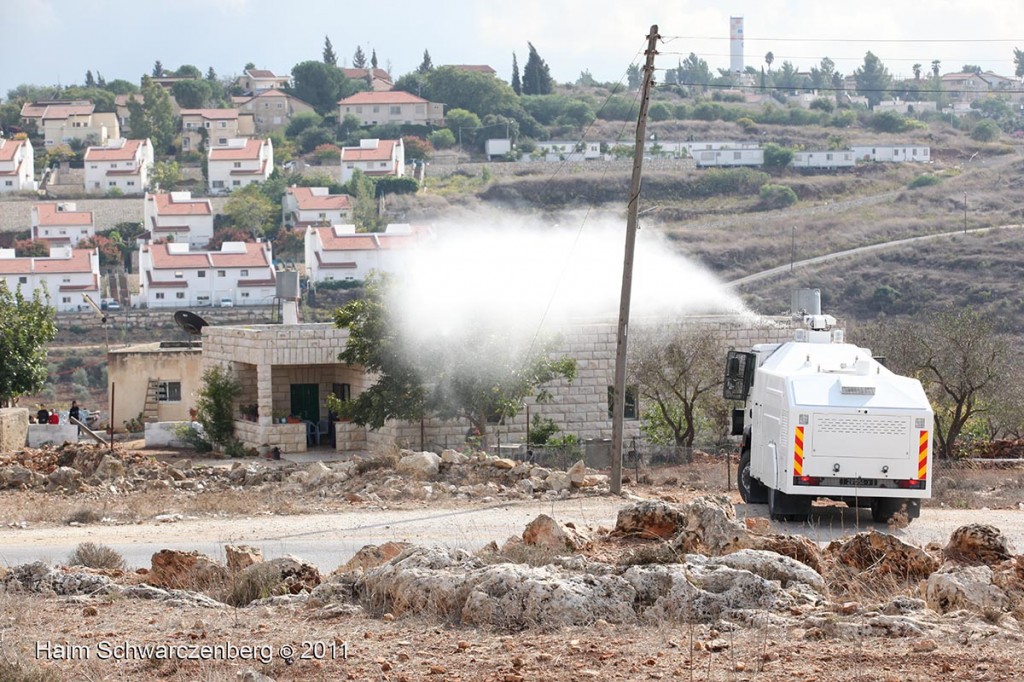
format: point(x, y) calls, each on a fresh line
point(888, 122)
point(747, 124)
point(216, 405)
point(777, 196)
point(115, 192)
point(776, 156)
point(924, 180)
point(985, 131)
point(193, 437)
point(95, 556)
point(327, 153)
point(441, 139)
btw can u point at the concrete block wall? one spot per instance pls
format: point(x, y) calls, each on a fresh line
point(41, 434)
point(13, 429)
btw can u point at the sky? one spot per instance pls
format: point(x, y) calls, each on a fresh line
point(61, 39)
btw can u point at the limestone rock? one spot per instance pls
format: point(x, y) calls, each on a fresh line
point(797, 547)
point(503, 463)
point(453, 457)
point(883, 554)
point(577, 473)
point(557, 481)
point(965, 587)
point(772, 566)
point(649, 519)
point(421, 464)
point(240, 557)
point(544, 531)
point(184, 570)
point(17, 476)
point(316, 472)
point(977, 543)
point(371, 556)
point(710, 527)
point(64, 478)
point(525, 486)
point(109, 468)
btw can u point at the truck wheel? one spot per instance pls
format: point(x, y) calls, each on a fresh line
point(783, 507)
point(884, 508)
point(751, 490)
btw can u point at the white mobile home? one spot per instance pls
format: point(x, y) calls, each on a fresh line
point(823, 159)
point(892, 153)
point(729, 157)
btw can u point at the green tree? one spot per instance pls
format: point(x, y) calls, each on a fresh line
point(364, 202)
point(461, 120)
point(120, 86)
point(322, 85)
point(478, 376)
point(90, 82)
point(188, 71)
point(517, 83)
point(373, 58)
point(27, 327)
point(250, 209)
point(192, 94)
point(873, 79)
point(441, 139)
point(166, 175)
point(311, 138)
point(211, 75)
point(153, 116)
point(769, 57)
point(1018, 63)
point(961, 360)
point(634, 77)
point(970, 68)
point(985, 131)
point(777, 156)
point(215, 404)
point(158, 69)
point(330, 58)
point(303, 121)
point(536, 75)
point(578, 114)
point(359, 58)
point(426, 66)
point(694, 73)
point(678, 373)
point(773, 197)
point(787, 77)
point(917, 71)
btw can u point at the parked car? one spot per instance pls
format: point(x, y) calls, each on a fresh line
point(227, 303)
point(109, 304)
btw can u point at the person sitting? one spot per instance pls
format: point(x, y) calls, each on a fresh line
point(54, 418)
point(43, 415)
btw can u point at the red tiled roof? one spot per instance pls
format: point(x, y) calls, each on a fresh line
point(126, 152)
point(363, 73)
point(481, 68)
point(49, 216)
point(307, 201)
point(251, 171)
point(250, 152)
point(8, 148)
point(384, 152)
point(213, 114)
point(80, 261)
point(165, 204)
point(352, 242)
point(347, 265)
point(164, 283)
point(263, 73)
point(389, 97)
point(255, 255)
point(67, 110)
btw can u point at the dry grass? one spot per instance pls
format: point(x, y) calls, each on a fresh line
point(92, 555)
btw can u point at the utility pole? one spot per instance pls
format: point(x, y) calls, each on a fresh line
point(619, 390)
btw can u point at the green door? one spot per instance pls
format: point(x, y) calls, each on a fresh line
point(306, 401)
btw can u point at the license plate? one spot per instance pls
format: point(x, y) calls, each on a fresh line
point(858, 482)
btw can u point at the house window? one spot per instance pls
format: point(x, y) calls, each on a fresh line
point(65, 299)
point(189, 124)
point(236, 183)
point(244, 273)
point(66, 280)
point(630, 411)
point(130, 183)
point(180, 294)
point(238, 164)
point(342, 392)
point(222, 273)
point(202, 274)
point(396, 111)
point(222, 140)
point(168, 392)
point(9, 183)
point(737, 155)
point(376, 109)
point(245, 294)
point(219, 184)
point(359, 110)
point(223, 124)
point(179, 275)
point(23, 280)
point(112, 183)
point(160, 296)
point(184, 143)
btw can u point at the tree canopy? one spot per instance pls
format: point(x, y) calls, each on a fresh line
point(536, 75)
point(152, 116)
point(322, 85)
point(27, 326)
point(873, 79)
point(330, 58)
point(479, 376)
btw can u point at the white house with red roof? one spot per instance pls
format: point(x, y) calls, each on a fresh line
point(395, 106)
point(121, 164)
point(338, 252)
point(60, 121)
point(305, 206)
point(217, 125)
point(241, 162)
point(379, 80)
point(258, 80)
point(61, 223)
point(241, 273)
point(373, 157)
point(177, 217)
point(17, 166)
point(66, 274)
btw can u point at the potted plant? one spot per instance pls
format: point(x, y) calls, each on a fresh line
point(279, 416)
point(250, 412)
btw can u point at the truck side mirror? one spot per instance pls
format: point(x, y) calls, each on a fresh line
point(739, 375)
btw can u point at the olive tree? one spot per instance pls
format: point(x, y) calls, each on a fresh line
point(27, 326)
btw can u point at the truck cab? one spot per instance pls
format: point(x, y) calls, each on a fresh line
point(824, 418)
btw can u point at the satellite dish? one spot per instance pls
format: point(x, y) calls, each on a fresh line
point(190, 322)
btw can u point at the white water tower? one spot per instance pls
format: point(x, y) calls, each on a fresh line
point(736, 44)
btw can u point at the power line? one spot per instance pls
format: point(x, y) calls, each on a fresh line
point(855, 40)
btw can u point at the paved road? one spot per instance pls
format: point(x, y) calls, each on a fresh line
point(861, 250)
point(328, 540)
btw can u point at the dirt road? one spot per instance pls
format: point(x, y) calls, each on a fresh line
point(329, 540)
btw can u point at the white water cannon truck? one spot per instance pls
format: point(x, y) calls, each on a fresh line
point(824, 419)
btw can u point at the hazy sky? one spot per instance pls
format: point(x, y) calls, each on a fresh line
point(60, 39)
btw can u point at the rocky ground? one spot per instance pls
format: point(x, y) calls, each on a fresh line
point(677, 589)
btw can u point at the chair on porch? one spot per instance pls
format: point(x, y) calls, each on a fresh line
point(312, 433)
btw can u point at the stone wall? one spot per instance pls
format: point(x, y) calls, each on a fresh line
point(41, 434)
point(13, 429)
point(545, 168)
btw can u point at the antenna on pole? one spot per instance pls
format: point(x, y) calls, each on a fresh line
point(619, 391)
